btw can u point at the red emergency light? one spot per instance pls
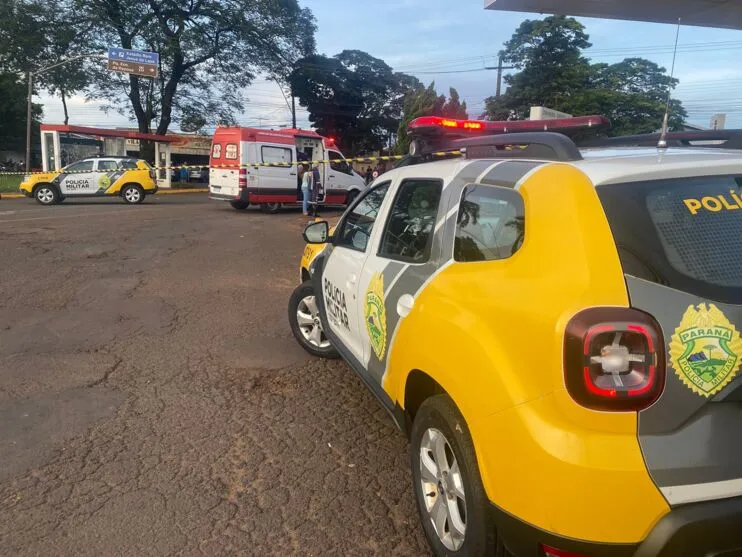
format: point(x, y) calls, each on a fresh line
point(431, 133)
point(439, 124)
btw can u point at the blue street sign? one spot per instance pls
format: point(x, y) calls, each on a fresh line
point(134, 56)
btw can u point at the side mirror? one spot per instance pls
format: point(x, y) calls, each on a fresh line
point(317, 232)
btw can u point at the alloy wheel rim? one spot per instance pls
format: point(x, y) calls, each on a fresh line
point(307, 316)
point(45, 195)
point(442, 485)
point(132, 194)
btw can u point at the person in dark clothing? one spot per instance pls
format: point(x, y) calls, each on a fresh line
point(369, 175)
point(317, 189)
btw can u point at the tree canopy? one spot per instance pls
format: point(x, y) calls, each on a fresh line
point(209, 51)
point(425, 101)
point(13, 113)
point(352, 96)
point(554, 72)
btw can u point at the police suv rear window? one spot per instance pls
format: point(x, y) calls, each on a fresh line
point(682, 233)
point(490, 224)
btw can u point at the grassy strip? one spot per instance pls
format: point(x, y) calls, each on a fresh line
point(9, 184)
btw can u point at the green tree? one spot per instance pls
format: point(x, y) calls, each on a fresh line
point(36, 34)
point(425, 101)
point(555, 73)
point(353, 97)
point(13, 108)
point(209, 51)
point(548, 54)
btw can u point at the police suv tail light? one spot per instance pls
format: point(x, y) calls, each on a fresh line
point(243, 178)
point(614, 359)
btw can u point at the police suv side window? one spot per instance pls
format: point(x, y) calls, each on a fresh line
point(408, 235)
point(490, 224)
point(356, 228)
point(107, 166)
point(129, 165)
point(82, 166)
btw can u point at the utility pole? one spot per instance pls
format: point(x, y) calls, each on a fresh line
point(28, 121)
point(499, 76)
point(293, 109)
point(499, 69)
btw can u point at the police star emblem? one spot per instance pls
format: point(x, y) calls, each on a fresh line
point(375, 314)
point(706, 350)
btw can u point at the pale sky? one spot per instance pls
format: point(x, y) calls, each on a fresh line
point(431, 40)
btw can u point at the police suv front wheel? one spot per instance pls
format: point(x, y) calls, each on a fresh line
point(46, 194)
point(132, 194)
point(453, 505)
point(306, 324)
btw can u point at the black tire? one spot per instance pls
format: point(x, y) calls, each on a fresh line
point(300, 294)
point(270, 208)
point(239, 205)
point(480, 537)
point(46, 194)
point(133, 194)
point(351, 197)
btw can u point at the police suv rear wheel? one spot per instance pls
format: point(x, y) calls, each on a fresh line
point(453, 506)
point(132, 194)
point(46, 194)
point(306, 324)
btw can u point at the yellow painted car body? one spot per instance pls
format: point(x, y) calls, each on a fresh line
point(526, 425)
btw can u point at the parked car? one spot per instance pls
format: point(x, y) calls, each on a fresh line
point(131, 179)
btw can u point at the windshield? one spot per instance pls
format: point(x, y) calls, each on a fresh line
point(682, 233)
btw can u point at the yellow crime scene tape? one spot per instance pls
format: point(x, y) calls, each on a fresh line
point(385, 158)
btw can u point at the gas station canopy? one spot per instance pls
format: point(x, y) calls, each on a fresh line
point(704, 13)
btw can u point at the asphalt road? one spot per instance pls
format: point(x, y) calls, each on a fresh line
point(154, 402)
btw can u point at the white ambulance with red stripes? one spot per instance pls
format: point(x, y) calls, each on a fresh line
point(251, 166)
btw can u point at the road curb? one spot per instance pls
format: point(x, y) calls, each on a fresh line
point(184, 190)
point(160, 192)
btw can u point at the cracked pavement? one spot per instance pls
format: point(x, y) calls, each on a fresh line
point(154, 402)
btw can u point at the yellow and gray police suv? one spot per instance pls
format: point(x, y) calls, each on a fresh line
point(556, 330)
point(128, 178)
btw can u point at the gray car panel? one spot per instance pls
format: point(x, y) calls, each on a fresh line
point(687, 438)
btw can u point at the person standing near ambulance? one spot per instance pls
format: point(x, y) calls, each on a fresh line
point(306, 186)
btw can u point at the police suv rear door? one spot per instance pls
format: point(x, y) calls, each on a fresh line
point(678, 240)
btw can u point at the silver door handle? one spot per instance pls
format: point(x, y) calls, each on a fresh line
point(405, 305)
point(332, 175)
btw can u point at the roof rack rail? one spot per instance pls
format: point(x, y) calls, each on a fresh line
point(526, 145)
point(722, 139)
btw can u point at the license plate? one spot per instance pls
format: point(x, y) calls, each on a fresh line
point(217, 188)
